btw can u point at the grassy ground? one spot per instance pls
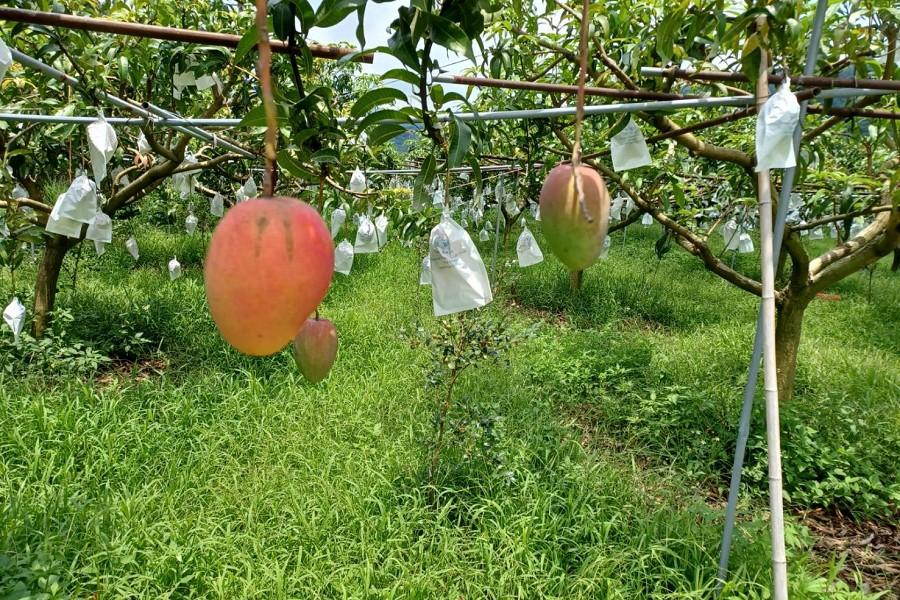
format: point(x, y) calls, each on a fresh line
point(187, 470)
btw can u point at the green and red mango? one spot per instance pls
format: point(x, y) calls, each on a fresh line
point(268, 267)
point(574, 239)
point(315, 349)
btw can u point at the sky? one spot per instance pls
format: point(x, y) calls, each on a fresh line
point(378, 19)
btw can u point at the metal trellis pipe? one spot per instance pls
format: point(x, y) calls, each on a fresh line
point(803, 80)
point(149, 114)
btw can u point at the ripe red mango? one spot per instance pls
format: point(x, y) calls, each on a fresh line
point(573, 239)
point(268, 267)
point(315, 349)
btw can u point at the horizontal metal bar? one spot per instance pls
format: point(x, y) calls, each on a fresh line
point(535, 86)
point(150, 114)
point(191, 36)
point(804, 80)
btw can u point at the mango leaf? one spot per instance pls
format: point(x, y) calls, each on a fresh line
point(401, 75)
point(305, 14)
point(283, 24)
point(374, 98)
point(294, 167)
point(360, 25)
point(665, 34)
point(326, 155)
point(460, 139)
point(383, 116)
point(448, 34)
point(476, 174)
point(663, 244)
point(246, 44)
point(423, 179)
point(384, 133)
point(257, 116)
point(332, 12)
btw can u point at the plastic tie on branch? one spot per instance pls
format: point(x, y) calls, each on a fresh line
point(6, 59)
point(459, 279)
point(14, 315)
point(775, 127)
point(357, 182)
point(343, 257)
point(629, 148)
point(174, 269)
point(338, 217)
point(527, 248)
point(102, 144)
point(366, 237)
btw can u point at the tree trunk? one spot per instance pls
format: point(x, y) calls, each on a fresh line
point(788, 327)
point(45, 285)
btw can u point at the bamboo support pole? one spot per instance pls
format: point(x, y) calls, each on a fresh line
point(770, 374)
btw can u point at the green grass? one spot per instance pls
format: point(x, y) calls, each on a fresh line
point(224, 476)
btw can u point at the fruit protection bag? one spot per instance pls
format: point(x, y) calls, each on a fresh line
point(425, 271)
point(775, 127)
point(366, 237)
point(629, 148)
point(102, 143)
point(5, 59)
point(337, 221)
point(381, 230)
point(14, 315)
point(459, 279)
point(343, 257)
point(527, 248)
point(357, 182)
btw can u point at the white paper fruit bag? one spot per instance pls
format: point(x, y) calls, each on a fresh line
point(629, 148)
point(5, 59)
point(527, 249)
point(102, 143)
point(132, 246)
point(337, 221)
point(366, 238)
point(357, 182)
point(217, 205)
point(381, 230)
point(343, 257)
point(174, 269)
point(100, 228)
point(459, 279)
point(775, 127)
point(14, 315)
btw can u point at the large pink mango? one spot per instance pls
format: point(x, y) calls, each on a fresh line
point(315, 349)
point(268, 267)
point(573, 239)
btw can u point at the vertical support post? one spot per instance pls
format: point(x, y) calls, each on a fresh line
point(770, 376)
point(784, 200)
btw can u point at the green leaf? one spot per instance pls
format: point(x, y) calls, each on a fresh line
point(384, 133)
point(257, 116)
point(290, 164)
point(246, 44)
point(448, 34)
point(460, 139)
point(476, 174)
point(393, 117)
point(665, 34)
point(374, 98)
point(401, 75)
point(304, 12)
point(423, 179)
point(326, 155)
point(332, 12)
point(283, 21)
point(360, 25)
